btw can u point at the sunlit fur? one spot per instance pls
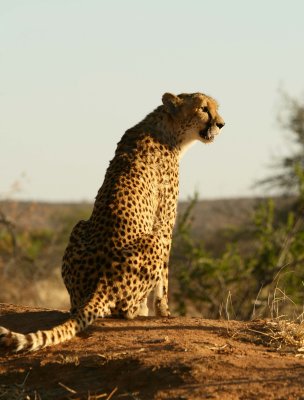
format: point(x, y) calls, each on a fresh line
point(120, 254)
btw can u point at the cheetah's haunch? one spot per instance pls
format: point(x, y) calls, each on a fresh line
point(116, 258)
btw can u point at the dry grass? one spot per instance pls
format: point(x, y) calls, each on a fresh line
point(287, 334)
point(284, 332)
point(73, 395)
point(279, 331)
point(17, 392)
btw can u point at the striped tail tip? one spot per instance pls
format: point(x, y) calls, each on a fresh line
point(12, 340)
point(16, 342)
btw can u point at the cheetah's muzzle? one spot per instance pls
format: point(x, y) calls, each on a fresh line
point(206, 135)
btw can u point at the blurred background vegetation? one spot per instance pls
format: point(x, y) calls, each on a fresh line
point(237, 258)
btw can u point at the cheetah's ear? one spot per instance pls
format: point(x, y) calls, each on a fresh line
point(197, 100)
point(171, 103)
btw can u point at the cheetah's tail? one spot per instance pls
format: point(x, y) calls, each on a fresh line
point(34, 341)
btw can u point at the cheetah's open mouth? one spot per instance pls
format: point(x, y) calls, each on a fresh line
point(206, 135)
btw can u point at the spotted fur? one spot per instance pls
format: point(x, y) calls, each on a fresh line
point(120, 254)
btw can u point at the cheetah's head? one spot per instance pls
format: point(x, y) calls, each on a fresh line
point(196, 114)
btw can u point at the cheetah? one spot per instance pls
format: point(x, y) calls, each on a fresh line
point(120, 254)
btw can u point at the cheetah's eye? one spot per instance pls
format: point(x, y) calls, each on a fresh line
point(205, 109)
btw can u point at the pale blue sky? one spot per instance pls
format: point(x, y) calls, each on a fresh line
point(74, 75)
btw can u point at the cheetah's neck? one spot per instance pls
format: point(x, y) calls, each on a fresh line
point(178, 138)
point(186, 141)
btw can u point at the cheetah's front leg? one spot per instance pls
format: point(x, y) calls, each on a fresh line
point(161, 304)
point(143, 308)
point(140, 311)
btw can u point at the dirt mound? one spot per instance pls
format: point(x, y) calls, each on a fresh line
point(149, 358)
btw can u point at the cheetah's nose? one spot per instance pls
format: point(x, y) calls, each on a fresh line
point(220, 124)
